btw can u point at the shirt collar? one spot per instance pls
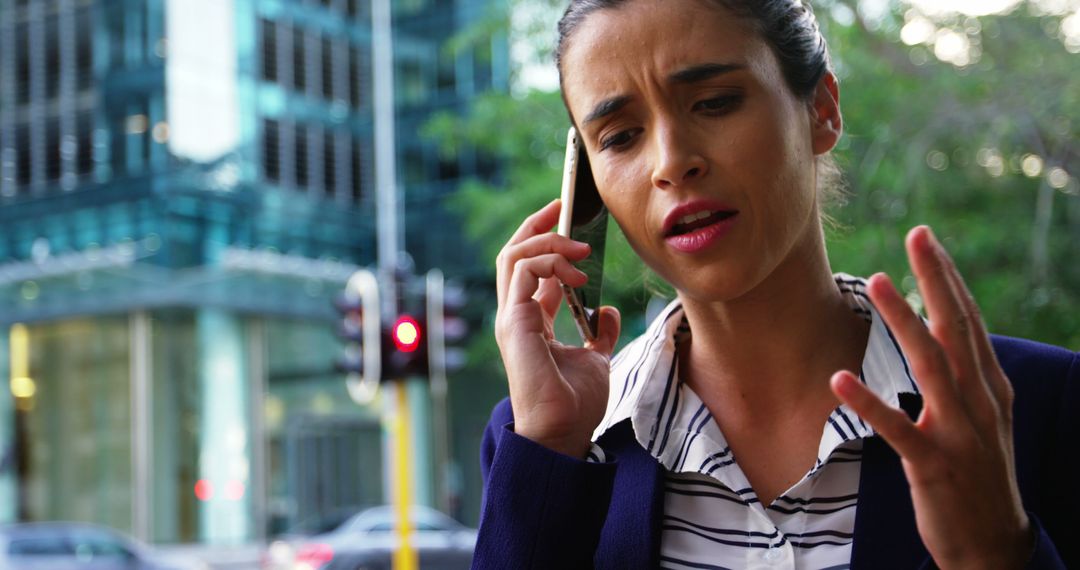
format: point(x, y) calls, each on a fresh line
point(640, 371)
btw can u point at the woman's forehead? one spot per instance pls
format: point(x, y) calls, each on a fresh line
point(654, 39)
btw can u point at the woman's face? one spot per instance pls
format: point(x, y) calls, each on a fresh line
point(702, 153)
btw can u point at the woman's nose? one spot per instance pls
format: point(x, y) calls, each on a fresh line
point(678, 161)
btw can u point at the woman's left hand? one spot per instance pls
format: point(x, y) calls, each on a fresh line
point(958, 455)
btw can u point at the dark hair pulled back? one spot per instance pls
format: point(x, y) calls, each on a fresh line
point(790, 29)
point(788, 26)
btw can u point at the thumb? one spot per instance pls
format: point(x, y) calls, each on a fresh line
point(607, 331)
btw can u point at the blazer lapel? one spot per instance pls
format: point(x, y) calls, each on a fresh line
point(885, 531)
point(631, 535)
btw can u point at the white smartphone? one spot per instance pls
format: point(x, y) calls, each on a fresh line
point(583, 218)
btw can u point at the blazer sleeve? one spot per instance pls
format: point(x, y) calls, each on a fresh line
point(1056, 546)
point(540, 509)
point(1046, 425)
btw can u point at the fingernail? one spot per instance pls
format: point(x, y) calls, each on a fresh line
point(840, 384)
point(884, 285)
point(934, 240)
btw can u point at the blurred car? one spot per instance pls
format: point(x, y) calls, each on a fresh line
point(367, 541)
point(80, 546)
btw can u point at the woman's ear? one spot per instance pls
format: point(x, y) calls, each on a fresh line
point(825, 122)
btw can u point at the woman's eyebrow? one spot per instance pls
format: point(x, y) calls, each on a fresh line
point(606, 107)
point(704, 71)
point(691, 74)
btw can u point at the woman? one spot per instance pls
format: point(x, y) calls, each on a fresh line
point(756, 423)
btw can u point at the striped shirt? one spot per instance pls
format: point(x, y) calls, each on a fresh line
point(712, 518)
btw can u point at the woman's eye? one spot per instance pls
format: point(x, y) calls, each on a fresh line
point(717, 105)
point(619, 139)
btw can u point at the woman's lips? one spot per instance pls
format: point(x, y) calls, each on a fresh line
point(701, 238)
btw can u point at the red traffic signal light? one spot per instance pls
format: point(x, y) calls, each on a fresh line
point(406, 334)
point(404, 349)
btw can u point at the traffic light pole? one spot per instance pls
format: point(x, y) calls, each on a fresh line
point(405, 556)
point(435, 285)
point(397, 408)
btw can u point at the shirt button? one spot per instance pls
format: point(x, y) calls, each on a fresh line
point(773, 554)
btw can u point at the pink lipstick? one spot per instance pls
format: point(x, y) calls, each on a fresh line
point(694, 226)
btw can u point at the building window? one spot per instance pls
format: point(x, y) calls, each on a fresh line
point(22, 65)
point(327, 57)
point(118, 149)
point(299, 72)
point(329, 164)
point(52, 58)
point(356, 76)
point(300, 145)
point(269, 35)
point(23, 174)
point(117, 35)
point(445, 78)
point(84, 128)
point(482, 67)
point(358, 8)
point(84, 49)
point(98, 483)
point(270, 150)
point(417, 171)
point(53, 161)
point(357, 170)
point(411, 82)
point(449, 169)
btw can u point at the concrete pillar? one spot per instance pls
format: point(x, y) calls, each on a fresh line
point(224, 436)
point(142, 425)
point(9, 499)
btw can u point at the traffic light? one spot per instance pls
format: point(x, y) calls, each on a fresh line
point(447, 328)
point(361, 330)
point(405, 349)
point(423, 338)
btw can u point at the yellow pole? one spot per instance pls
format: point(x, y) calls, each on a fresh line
point(20, 346)
point(405, 557)
point(21, 385)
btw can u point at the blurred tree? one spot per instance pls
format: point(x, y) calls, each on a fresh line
point(964, 123)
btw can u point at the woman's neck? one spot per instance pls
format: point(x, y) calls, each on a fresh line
point(771, 352)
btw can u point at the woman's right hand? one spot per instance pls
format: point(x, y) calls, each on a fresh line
point(558, 392)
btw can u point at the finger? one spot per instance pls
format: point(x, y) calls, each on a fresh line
point(923, 351)
point(890, 423)
point(607, 334)
point(532, 247)
point(993, 375)
point(539, 222)
point(527, 274)
point(550, 298)
point(950, 322)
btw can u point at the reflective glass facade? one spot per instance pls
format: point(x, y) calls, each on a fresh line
point(185, 185)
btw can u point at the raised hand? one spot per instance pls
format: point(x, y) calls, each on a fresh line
point(958, 455)
point(558, 392)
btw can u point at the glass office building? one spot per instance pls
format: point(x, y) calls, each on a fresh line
point(185, 185)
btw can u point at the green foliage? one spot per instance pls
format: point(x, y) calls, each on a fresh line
point(926, 143)
point(934, 144)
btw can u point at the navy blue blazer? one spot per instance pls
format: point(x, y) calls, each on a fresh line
point(545, 510)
